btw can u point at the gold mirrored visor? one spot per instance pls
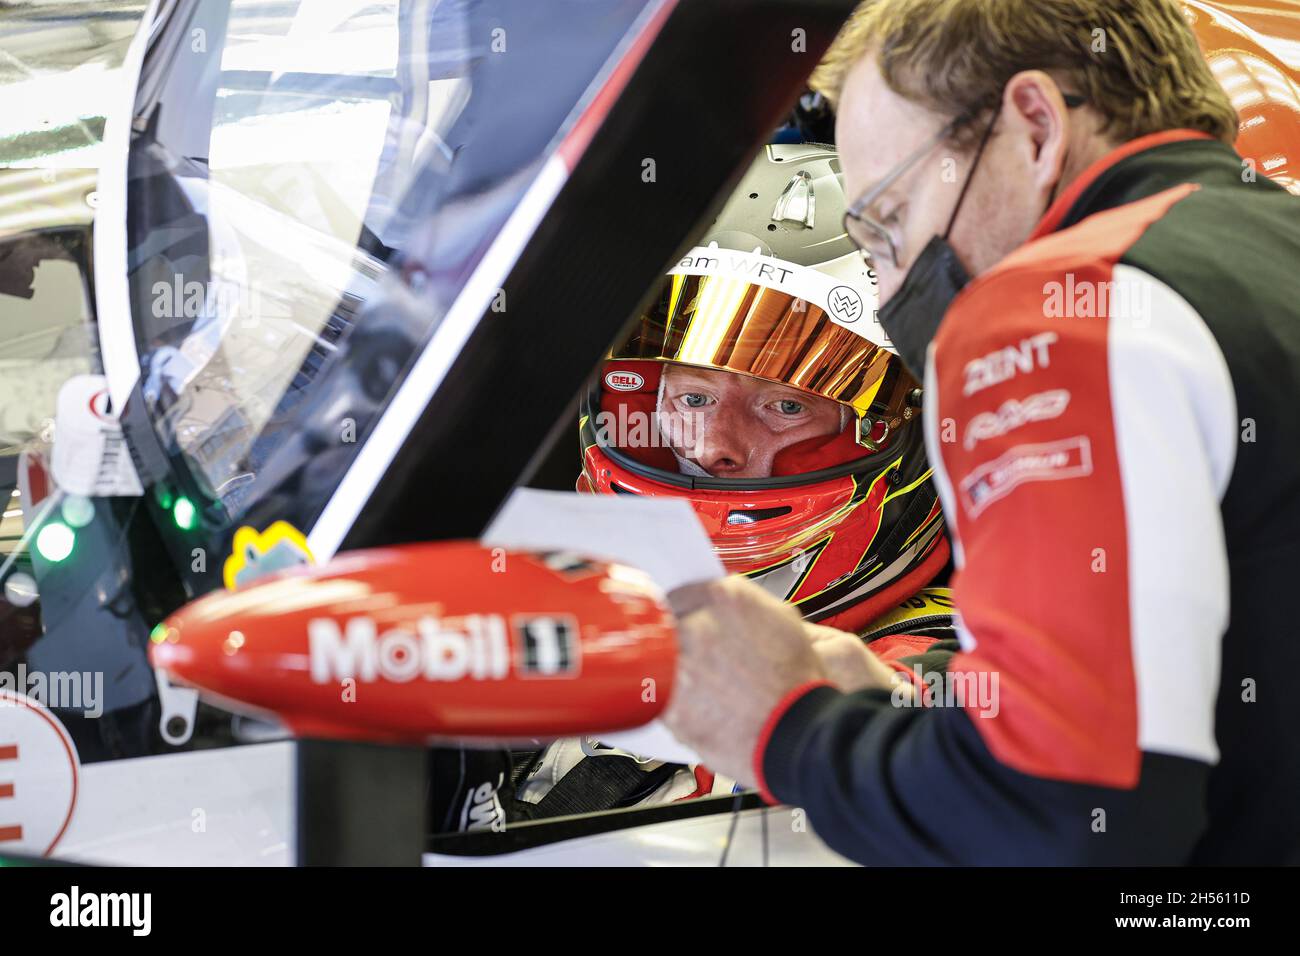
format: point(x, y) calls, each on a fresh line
point(729, 324)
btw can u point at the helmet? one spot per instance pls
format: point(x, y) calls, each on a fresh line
point(846, 523)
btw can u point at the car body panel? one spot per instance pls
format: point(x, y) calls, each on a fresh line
point(229, 808)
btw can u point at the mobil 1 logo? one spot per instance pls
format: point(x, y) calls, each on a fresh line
point(548, 646)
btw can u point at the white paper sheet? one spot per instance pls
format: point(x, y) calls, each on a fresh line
point(661, 536)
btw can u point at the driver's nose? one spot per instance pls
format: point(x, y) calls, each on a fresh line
point(726, 448)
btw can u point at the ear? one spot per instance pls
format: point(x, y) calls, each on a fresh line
point(1035, 114)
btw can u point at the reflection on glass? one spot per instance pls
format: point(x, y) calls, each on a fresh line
point(320, 114)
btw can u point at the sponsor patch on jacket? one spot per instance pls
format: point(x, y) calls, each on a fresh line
point(1047, 461)
point(1015, 412)
point(1008, 362)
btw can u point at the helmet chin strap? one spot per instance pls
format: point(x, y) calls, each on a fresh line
point(688, 467)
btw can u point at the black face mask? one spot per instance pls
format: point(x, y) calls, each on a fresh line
point(912, 317)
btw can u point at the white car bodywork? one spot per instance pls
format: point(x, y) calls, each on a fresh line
point(234, 807)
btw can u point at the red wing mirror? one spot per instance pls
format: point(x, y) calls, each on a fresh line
point(435, 640)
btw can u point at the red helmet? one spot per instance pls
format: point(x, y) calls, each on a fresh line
point(846, 525)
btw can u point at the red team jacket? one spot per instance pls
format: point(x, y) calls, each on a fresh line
point(1113, 416)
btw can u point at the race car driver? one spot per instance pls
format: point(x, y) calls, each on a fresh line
point(756, 388)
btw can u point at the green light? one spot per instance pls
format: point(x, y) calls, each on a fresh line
point(77, 511)
point(183, 513)
point(54, 542)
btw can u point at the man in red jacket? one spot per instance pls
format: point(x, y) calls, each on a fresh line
point(1104, 303)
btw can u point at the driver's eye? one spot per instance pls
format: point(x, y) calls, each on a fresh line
point(695, 399)
point(789, 406)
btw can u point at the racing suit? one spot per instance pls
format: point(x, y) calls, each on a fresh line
point(1113, 416)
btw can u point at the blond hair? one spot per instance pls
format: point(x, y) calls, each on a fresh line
point(1136, 62)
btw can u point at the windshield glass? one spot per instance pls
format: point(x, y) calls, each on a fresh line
point(308, 198)
point(266, 211)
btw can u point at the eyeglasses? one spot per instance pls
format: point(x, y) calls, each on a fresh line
point(869, 235)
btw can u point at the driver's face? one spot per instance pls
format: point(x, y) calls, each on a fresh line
point(733, 425)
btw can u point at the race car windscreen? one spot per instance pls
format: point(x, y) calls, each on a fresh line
point(309, 191)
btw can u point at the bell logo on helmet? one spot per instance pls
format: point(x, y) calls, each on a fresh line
point(624, 381)
point(478, 650)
